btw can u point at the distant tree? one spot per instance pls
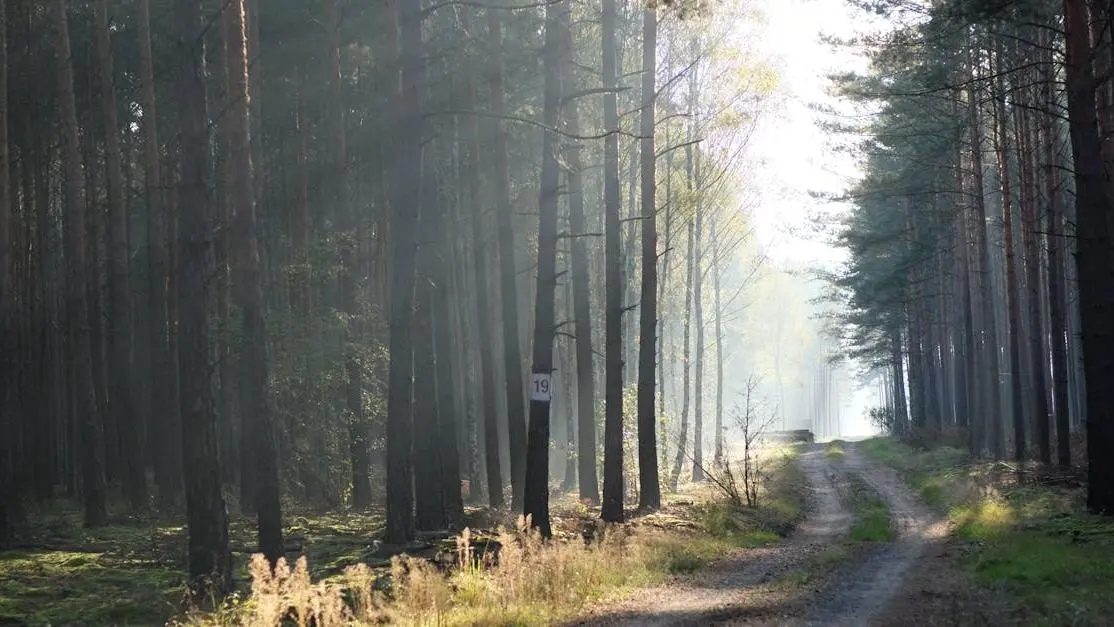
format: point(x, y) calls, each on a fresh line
point(77, 309)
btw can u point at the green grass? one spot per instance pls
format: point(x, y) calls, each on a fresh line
point(872, 515)
point(834, 449)
point(1036, 543)
point(132, 571)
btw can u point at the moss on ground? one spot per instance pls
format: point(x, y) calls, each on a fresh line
point(1029, 538)
point(132, 571)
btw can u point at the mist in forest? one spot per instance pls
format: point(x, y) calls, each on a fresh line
point(406, 257)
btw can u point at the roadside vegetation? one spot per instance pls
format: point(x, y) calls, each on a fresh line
point(1025, 531)
point(133, 572)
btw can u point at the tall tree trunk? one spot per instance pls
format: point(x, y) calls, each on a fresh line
point(697, 282)
point(536, 498)
point(9, 420)
point(1012, 291)
point(484, 310)
point(120, 329)
point(993, 405)
point(428, 506)
point(682, 438)
point(568, 376)
point(612, 507)
point(512, 353)
point(404, 235)
point(248, 289)
point(444, 306)
point(698, 349)
point(77, 304)
point(649, 490)
point(581, 293)
point(1038, 350)
point(1096, 294)
point(1057, 301)
point(718, 313)
point(357, 422)
point(901, 413)
point(164, 422)
point(209, 558)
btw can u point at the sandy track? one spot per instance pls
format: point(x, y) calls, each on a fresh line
point(737, 588)
point(743, 590)
point(858, 592)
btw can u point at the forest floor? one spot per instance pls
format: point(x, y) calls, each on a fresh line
point(132, 571)
point(874, 532)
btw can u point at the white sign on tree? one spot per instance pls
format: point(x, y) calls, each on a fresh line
point(540, 389)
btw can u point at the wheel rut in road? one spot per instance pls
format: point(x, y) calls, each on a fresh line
point(735, 588)
point(858, 593)
point(744, 589)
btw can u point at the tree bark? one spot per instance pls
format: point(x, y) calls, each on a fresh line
point(512, 353)
point(588, 479)
point(119, 312)
point(428, 506)
point(682, 438)
point(484, 311)
point(248, 288)
point(1012, 291)
point(164, 422)
point(209, 558)
point(612, 507)
point(9, 420)
point(901, 414)
point(77, 307)
point(357, 421)
point(698, 349)
point(536, 498)
point(407, 192)
point(1057, 302)
point(718, 313)
point(993, 404)
point(649, 490)
point(1096, 293)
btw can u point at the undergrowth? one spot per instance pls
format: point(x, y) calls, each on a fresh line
point(1035, 541)
point(132, 572)
point(524, 580)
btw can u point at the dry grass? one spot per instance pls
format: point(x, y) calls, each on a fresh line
point(516, 577)
point(526, 581)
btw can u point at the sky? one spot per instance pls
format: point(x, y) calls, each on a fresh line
point(790, 151)
point(792, 155)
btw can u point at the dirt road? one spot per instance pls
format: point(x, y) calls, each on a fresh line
point(774, 586)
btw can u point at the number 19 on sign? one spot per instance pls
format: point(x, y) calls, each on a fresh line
point(540, 390)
